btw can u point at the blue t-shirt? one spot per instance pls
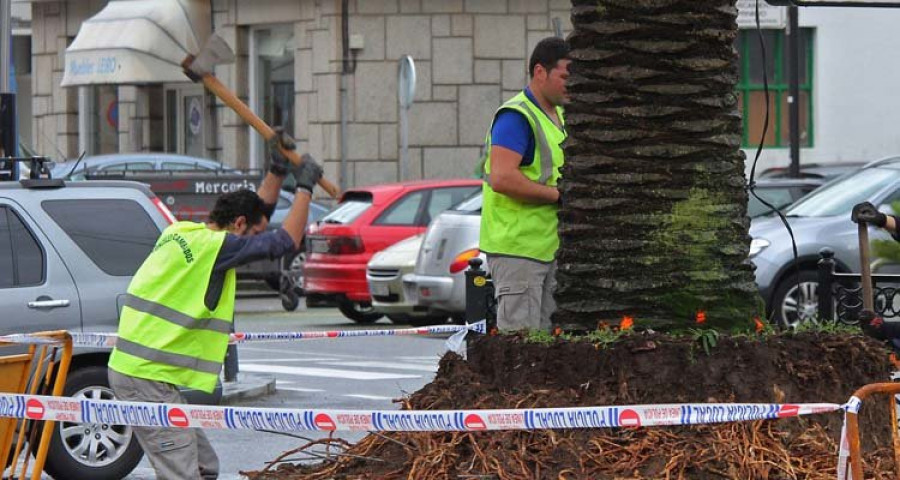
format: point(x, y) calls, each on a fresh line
point(511, 130)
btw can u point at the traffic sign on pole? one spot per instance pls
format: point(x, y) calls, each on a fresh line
point(406, 93)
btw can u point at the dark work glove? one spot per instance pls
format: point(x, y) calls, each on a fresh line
point(307, 173)
point(867, 213)
point(280, 164)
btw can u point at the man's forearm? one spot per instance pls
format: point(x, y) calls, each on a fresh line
point(891, 224)
point(268, 189)
point(295, 222)
point(519, 187)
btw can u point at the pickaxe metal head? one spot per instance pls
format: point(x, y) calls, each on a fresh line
point(214, 52)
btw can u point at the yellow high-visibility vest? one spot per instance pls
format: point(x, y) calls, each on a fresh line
point(514, 228)
point(166, 332)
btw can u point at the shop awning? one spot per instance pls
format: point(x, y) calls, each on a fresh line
point(137, 42)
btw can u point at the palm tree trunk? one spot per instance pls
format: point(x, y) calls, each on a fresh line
point(653, 223)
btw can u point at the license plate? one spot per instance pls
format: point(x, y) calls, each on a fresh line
point(318, 246)
point(379, 290)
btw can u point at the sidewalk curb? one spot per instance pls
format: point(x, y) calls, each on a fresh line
point(248, 385)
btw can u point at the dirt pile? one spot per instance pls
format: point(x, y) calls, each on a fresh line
point(507, 372)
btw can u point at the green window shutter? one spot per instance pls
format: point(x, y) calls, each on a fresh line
point(751, 90)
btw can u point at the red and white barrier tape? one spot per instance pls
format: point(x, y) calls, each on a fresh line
point(67, 409)
point(108, 340)
point(843, 468)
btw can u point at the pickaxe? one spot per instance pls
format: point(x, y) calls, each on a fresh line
point(199, 69)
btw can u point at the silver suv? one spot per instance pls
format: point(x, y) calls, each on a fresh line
point(820, 219)
point(67, 253)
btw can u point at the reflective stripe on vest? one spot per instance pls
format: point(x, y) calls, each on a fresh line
point(175, 359)
point(176, 317)
point(546, 155)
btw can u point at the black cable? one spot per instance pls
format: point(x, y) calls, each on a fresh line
point(752, 184)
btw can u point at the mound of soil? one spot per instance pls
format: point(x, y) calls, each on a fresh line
point(507, 372)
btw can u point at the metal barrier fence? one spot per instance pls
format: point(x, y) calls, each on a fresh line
point(843, 293)
point(41, 370)
point(852, 429)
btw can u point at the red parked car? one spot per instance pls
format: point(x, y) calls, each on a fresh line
point(367, 220)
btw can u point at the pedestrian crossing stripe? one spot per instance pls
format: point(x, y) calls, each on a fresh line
point(322, 372)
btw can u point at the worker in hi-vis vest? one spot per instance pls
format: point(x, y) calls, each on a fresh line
point(521, 169)
point(178, 312)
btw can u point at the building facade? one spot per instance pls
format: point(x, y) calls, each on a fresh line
point(848, 107)
point(469, 56)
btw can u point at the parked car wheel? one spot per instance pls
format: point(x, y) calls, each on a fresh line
point(359, 312)
point(289, 300)
point(293, 269)
point(789, 310)
point(91, 451)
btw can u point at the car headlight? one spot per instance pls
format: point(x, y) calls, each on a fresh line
point(757, 245)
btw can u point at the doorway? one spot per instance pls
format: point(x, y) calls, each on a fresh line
point(271, 83)
point(186, 120)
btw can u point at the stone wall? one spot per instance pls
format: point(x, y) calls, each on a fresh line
point(470, 55)
point(54, 109)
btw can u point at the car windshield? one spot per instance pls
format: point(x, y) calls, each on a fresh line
point(471, 204)
point(838, 198)
point(347, 211)
point(777, 197)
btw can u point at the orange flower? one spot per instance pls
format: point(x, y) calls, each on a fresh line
point(494, 331)
point(701, 317)
point(760, 326)
point(627, 323)
point(557, 331)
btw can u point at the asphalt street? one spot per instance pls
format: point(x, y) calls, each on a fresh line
point(343, 373)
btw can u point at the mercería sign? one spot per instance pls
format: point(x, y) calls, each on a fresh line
point(217, 187)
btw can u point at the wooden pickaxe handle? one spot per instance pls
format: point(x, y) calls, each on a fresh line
point(865, 269)
point(215, 86)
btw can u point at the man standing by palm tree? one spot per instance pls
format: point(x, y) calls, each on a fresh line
point(521, 170)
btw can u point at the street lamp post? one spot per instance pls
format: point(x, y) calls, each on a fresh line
point(793, 56)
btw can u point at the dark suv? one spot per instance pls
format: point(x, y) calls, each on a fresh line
point(67, 253)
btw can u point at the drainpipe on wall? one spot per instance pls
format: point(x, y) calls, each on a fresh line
point(85, 131)
point(345, 86)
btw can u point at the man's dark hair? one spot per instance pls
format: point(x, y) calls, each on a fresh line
point(232, 205)
point(547, 53)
